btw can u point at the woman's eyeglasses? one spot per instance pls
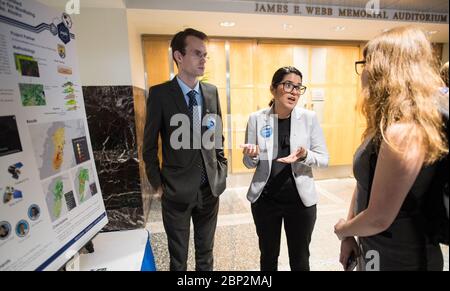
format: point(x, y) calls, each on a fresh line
point(289, 87)
point(359, 67)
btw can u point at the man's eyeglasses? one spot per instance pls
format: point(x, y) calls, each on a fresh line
point(288, 87)
point(199, 55)
point(359, 67)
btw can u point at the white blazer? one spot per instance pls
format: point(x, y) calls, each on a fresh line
point(305, 132)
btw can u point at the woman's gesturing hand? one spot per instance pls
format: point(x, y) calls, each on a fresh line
point(250, 150)
point(298, 155)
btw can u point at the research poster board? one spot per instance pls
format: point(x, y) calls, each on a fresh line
point(50, 199)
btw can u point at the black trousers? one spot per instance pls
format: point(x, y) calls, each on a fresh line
point(177, 222)
point(268, 214)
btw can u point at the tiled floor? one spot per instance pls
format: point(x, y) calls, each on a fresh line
point(236, 242)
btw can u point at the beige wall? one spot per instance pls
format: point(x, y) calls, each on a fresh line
point(103, 49)
point(136, 55)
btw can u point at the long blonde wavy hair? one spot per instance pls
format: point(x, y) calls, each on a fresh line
point(404, 87)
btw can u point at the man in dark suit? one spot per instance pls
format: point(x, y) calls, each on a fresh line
point(186, 113)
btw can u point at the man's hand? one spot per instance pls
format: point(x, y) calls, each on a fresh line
point(299, 154)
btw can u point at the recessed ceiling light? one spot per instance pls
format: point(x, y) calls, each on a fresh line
point(386, 29)
point(227, 24)
point(287, 26)
point(432, 32)
point(339, 28)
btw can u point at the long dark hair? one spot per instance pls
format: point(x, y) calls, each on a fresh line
point(279, 75)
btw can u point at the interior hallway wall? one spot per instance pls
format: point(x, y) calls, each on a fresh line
point(136, 55)
point(115, 74)
point(139, 92)
point(102, 44)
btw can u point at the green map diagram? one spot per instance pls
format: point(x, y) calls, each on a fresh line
point(54, 190)
point(57, 191)
point(32, 95)
point(83, 179)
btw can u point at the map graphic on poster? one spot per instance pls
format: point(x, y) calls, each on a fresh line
point(51, 203)
point(84, 183)
point(56, 191)
point(53, 146)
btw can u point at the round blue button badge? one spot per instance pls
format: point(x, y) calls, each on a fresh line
point(266, 131)
point(211, 123)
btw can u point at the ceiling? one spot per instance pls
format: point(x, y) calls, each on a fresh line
point(440, 6)
point(87, 3)
point(268, 26)
point(170, 16)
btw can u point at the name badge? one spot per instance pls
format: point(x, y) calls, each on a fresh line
point(211, 123)
point(266, 131)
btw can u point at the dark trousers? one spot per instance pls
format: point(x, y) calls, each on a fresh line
point(177, 221)
point(268, 214)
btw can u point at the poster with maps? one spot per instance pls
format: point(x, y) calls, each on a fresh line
point(51, 202)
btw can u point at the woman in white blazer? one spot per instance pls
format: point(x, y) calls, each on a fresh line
point(283, 143)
